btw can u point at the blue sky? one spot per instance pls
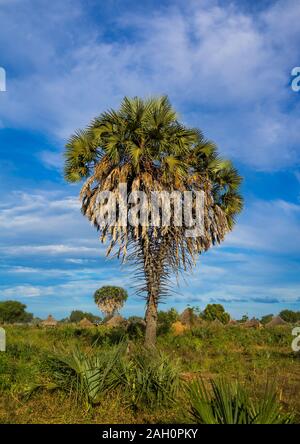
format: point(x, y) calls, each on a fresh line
point(226, 67)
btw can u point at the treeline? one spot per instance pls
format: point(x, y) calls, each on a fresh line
point(15, 312)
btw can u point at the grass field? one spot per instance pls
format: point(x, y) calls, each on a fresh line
point(32, 391)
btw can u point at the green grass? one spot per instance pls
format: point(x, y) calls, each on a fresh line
point(73, 375)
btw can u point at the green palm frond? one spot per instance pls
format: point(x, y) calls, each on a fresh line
point(230, 403)
point(80, 155)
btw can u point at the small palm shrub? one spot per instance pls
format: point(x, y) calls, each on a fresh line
point(104, 336)
point(230, 403)
point(151, 379)
point(87, 376)
point(144, 378)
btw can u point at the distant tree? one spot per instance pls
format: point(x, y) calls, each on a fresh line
point(215, 311)
point(196, 309)
point(14, 311)
point(36, 320)
point(166, 319)
point(267, 318)
point(110, 299)
point(290, 316)
point(78, 315)
point(244, 318)
point(135, 319)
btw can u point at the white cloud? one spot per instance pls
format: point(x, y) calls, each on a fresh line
point(23, 291)
point(74, 288)
point(48, 223)
point(55, 249)
point(268, 226)
point(228, 66)
point(51, 159)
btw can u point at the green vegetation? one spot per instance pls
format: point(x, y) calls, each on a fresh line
point(70, 374)
point(290, 316)
point(110, 299)
point(78, 315)
point(14, 311)
point(230, 403)
point(215, 311)
point(143, 145)
point(166, 319)
point(267, 318)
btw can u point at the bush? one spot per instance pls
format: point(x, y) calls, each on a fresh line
point(136, 328)
point(152, 379)
point(165, 320)
point(214, 312)
point(230, 403)
point(89, 377)
point(78, 315)
point(145, 379)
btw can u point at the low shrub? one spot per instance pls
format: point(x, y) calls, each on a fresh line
point(145, 378)
point(230, 403)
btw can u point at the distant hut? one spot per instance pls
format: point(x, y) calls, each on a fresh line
point(116, 321)
point(233, 322)
point(276, 321)
point(49, 322)
point(85, 323)
point(252, 323)
point(188, 317)
point(178, 328)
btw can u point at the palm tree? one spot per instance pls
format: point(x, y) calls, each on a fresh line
point(144, 145)
point(110, 299)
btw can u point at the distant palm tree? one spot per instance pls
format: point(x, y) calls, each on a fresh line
point(144, 145)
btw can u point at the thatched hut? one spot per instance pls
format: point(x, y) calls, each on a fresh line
point(116, 321)
point(276, 321)
point(233, 322)
point(178, 328)
point(85, 323)
point(49, 322)
point(188, 317)
point(252, 323)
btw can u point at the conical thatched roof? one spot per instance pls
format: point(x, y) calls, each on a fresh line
point(85, 323)
point(178, 328)
point(116, 321)
point(49, 322)
point(232, 322)
point(252, 323)
point(277, 320)
point(187, 317)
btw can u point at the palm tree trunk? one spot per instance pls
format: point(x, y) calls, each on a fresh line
point(152, 271)
point(151, 322)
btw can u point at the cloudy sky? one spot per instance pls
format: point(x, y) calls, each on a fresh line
point(226, 66)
